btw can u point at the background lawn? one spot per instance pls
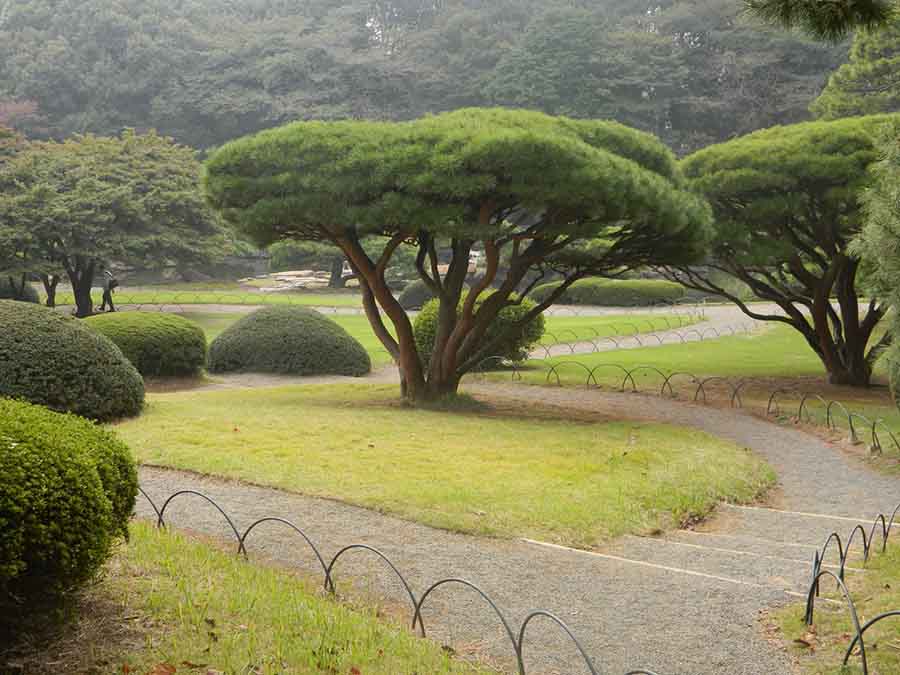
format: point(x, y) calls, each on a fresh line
point(775, 352)
point(169, 599)
point(564, 328)
point(496, 472)
point(191, 296)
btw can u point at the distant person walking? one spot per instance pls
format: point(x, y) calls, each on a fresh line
point(108, 285)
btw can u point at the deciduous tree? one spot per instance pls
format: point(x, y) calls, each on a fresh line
point(90, 201)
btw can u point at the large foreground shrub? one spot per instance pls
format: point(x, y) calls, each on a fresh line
point(514, 346)
point(59, 362)
point(613, 292)
point(13, 291)
point(288, 340)
point(156, 343)
point(67, 490)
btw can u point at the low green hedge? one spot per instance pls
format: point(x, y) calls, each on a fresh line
point(613, 292)
point(514, 347)
point(59, 362)
point(288, 340)
point(9, 291)
point(415, 295)
point(67, 491)
point(157, 344)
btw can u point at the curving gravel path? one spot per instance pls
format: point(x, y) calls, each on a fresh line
point(717, 321)
point(685, 603)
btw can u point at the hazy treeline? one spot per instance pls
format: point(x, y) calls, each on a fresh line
point(694, 72)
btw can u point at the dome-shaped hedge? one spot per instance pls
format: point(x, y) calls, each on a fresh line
point(67, 490)
point(288, 340)
point(513, 347)
point(155, 343)
point(57, 361)
point(9, 291)
point(415, 295)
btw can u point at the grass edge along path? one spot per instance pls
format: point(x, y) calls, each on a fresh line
point(819, 650)
point(489, 471)
point(170, 603)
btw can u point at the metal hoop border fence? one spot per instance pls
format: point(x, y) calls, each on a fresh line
point(877, 429)
point(843, 552)
point(516, 637)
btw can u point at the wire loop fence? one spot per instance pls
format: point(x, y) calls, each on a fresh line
point(843, 549)
point(517, 638)
point(699, 389)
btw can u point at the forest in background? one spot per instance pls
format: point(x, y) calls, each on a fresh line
point(693, 72)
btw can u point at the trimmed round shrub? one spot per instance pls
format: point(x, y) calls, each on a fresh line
point(67, 491)
point(415, 295)
point(290, 341)
point(10, 291)
point(613, 292)
point(155, 343)
point(59, 362)
point(514, 347)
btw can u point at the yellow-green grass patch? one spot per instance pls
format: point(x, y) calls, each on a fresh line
point(498, 472)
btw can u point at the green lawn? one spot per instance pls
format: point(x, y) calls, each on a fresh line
point(565, 328)
point(779, 351)
point(499, 473)
point(168, 599)
point(873, 593)
point(190, 296)
point(776, 358)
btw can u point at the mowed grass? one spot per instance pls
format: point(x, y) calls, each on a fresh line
point(190, 296)
point(875, 592)
point(503, 473)
point(565, 329)
point(777, 352)
point(184, 606)
point(774, 359)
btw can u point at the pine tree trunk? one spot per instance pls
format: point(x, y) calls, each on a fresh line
point(337, 273)
point(854, 370)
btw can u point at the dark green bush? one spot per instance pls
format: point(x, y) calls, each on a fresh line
point(514, 347)
point(57, 361)
point(13, 291)
point(155, 343)
point(415, 295)
point(613, 292)
point(67, 491)
point(288, 340)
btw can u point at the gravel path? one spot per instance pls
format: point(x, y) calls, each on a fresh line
point(686, 603)
point(718, 321)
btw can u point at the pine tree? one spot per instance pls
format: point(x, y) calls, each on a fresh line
point(870, 81)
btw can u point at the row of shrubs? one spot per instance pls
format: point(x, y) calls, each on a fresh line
point(613, 292)
point(95, 368)
point(592, 291)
